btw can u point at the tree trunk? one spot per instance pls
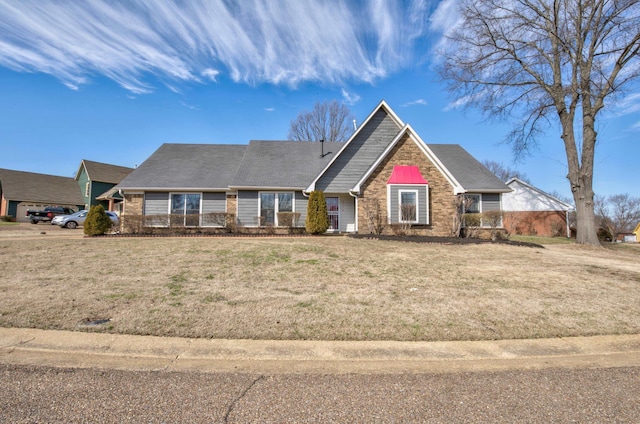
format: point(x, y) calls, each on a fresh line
point(587, 233)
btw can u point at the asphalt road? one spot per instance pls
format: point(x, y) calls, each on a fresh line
point(38, 394)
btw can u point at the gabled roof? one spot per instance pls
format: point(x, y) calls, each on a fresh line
point(462, 171)
point(42, 188)
point(407, 131)
point(535, 198)
point(359, 152)
point(103, 172)
point(468, 172)
point(282, 164)
point(187, 167)
point(299, 165)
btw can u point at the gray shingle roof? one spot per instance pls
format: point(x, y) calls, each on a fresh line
point(471, 174)
point(187, 166)
point(28, 186)
point(285, 164)
point(105, 173)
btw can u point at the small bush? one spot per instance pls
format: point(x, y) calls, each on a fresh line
point(317, 221)
point(472, 222)
point(6, 218)
point(97, 222)
point(493, 219)
point(288, 219)
point(376, 218)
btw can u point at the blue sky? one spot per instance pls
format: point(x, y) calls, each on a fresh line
point(111, 81)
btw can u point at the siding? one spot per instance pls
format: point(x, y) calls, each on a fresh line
point(214, 202)
point(156, 203)
point(97, 188)
point(300, 206)
point(394, 205)
point(83, 178)
point(247, 208)
point(358, 156)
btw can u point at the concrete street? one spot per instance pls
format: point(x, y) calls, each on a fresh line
point(51, 376)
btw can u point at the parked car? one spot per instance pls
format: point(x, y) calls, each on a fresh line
point(48, 214)
point(77, 219)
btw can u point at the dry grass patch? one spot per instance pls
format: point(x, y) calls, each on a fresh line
point(323, 288)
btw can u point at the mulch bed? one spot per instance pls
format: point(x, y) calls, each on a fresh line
point(444, 240)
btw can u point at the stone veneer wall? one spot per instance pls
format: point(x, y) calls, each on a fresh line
point(441, 197)
point(232, 207)
point(132, 207)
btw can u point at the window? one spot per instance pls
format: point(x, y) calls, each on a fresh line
point(87, 189)
point(271, 204)
point(408, 210)
point(267, 208)
point(472, 203)
point(285, 202)
point(185, 209)
point(486, 206)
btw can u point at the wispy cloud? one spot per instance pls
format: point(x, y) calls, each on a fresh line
point(188, 106)
point(350, 98)
point(286, 42)
point(444, 21)
point(269, 109)
point(417, 102)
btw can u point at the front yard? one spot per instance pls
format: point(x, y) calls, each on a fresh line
point(322, 288)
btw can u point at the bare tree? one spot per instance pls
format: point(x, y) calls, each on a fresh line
point(618, 213)
point(540, 59)
point(504, 172)
point(328, 121)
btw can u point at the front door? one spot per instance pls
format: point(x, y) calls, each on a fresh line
point(333, 208)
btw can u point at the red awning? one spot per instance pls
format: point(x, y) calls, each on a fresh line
point(406, 175)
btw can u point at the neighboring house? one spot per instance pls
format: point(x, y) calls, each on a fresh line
point(636, 232)
point(530, 211)
point(384, 170)
point(20, 191)
point(626, 238)
point(97, 180)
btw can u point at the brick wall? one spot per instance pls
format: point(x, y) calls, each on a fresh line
point(541, 223)
point(441, 198)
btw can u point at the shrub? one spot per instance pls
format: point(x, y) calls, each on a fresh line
point(288, 219)
point(493, 219)
point(6, 218)
point(472, 222)
point(317, 221)
point(376, 219)
point(97, 222)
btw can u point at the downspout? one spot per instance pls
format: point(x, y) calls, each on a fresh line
point(124, 204)
point(355, 196)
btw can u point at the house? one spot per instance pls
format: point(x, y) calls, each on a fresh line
point(636, 232)
point(97, 180)
point(20, 191)
point(530, 211)
point(383, 172)
point(625, 238)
